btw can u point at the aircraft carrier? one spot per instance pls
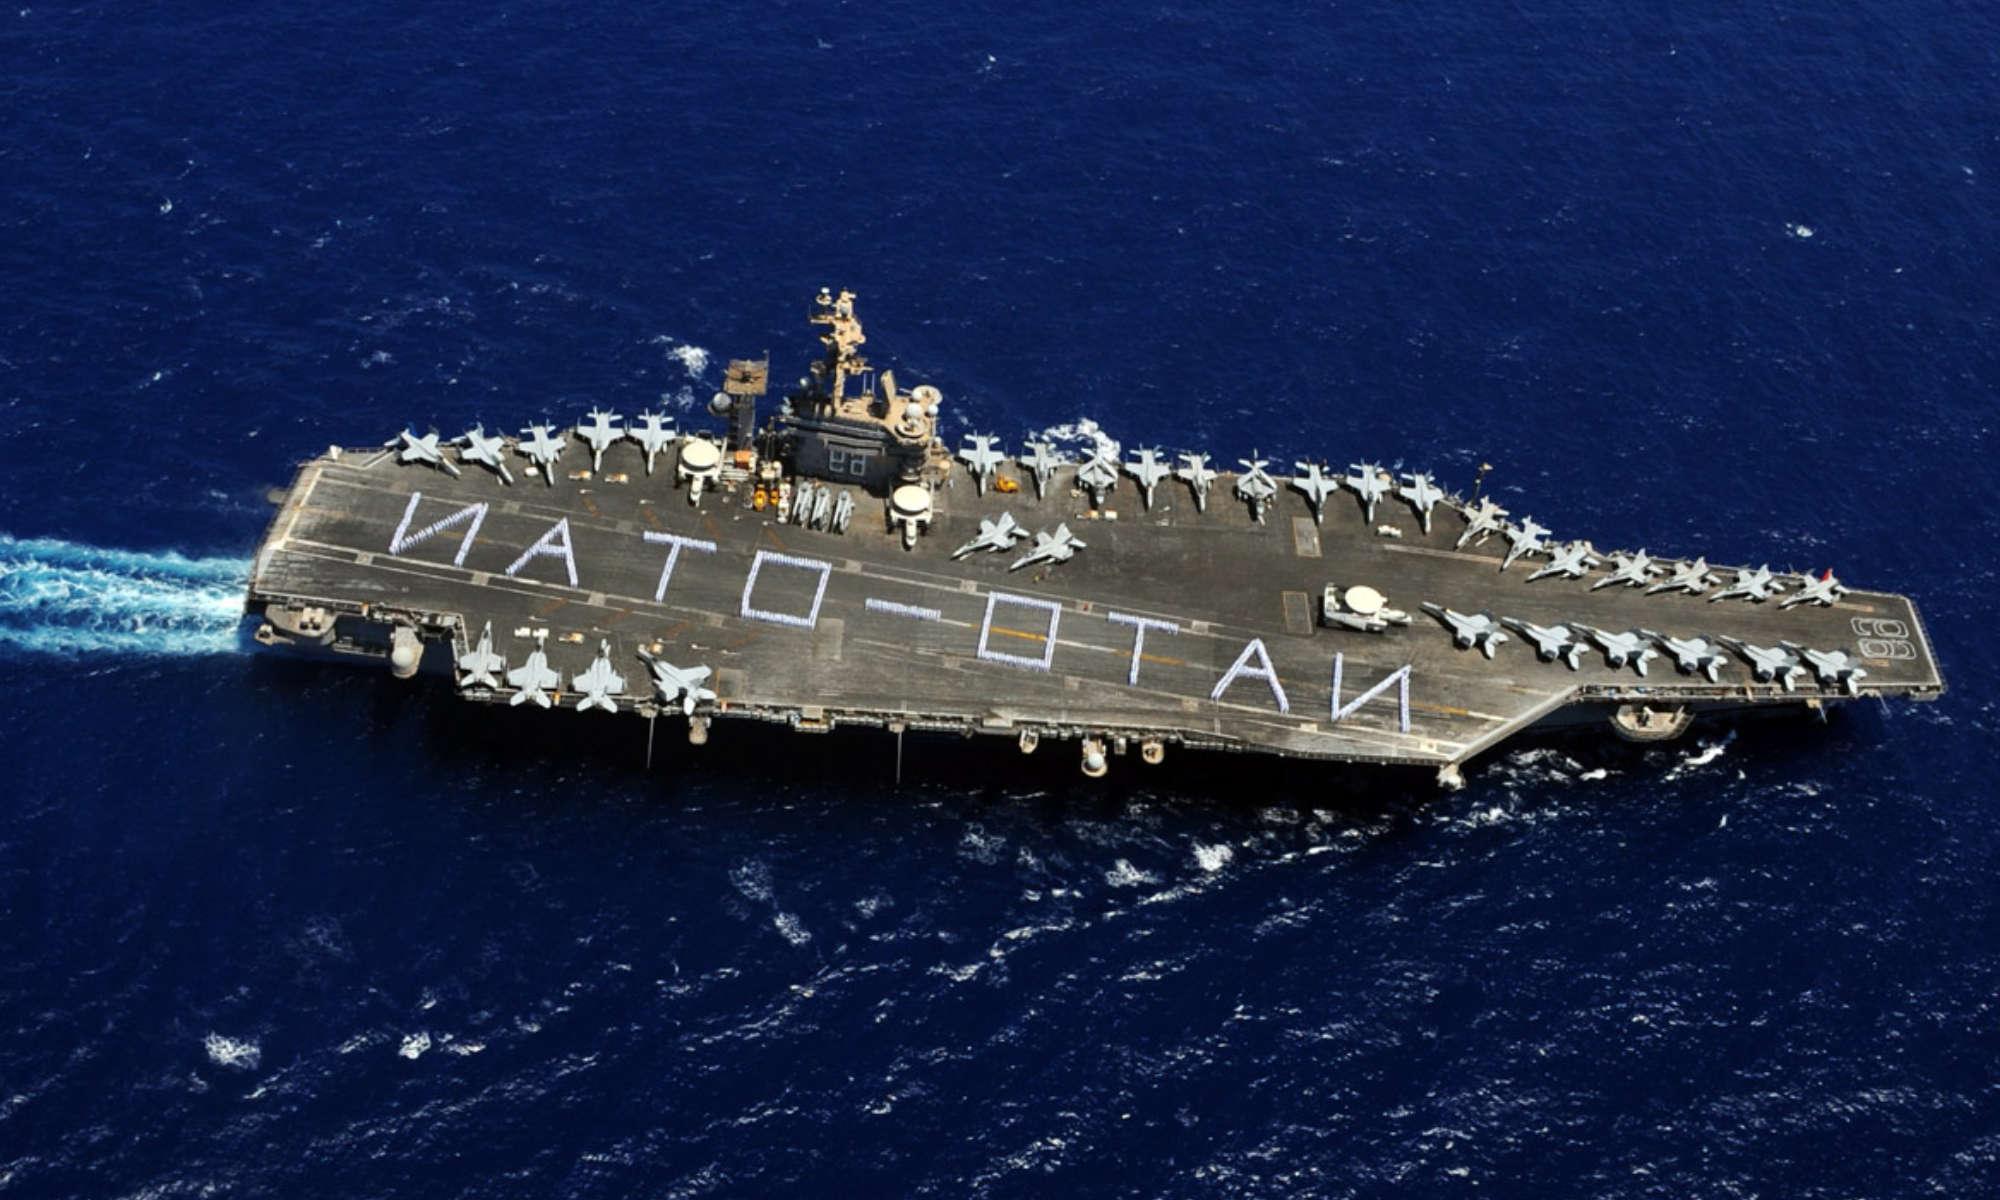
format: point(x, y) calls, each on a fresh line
point(846, 564)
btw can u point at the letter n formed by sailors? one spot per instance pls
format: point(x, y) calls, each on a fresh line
point(1399, 678)
point(472, 516)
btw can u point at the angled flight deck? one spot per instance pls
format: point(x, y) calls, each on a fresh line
point(845, 565)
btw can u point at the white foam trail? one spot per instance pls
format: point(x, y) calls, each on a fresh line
point(231, 1052)
point(1082, 435)
point(58, 597)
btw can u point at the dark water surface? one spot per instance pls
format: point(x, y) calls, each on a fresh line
point(1706, 282)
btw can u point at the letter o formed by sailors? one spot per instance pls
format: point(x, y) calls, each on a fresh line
point(811, 618)
point(993, 601)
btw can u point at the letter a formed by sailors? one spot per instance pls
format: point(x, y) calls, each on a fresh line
point(553, 544)
point(1263, 670)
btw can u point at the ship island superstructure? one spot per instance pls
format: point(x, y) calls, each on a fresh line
point(843, 564)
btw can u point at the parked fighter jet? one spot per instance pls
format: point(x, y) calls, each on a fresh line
point(1823, 591)
point(1767, 663)
point(1573, 560)
point(536, 679)
point(683, 684)
point(1469, 629)
point(1195, 472)
point(1834, 668)
point(601, 684)
point(981, 459)
point(1632, 570)
point(543, 446)
point(653, 434)
point(1692, 654)
point(1254, 486)
point(995, 534)
point(422, 449)
point(1149, 470)
point(1621, 648)
point(802, 502)
point(1423, 496)
point(1368, 483)
point(1481, 519)
point(1690, 577)
point(1756, 586)
point(480, 666)
point(477, 447)
point(1042, 461)
point(1099, 477)
point(1315, 486)
point(1552, 643)
point(599, 435)
point(1525, 538)
point(1057, 547)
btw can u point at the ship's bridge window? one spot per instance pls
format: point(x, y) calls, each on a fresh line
point(841, 461)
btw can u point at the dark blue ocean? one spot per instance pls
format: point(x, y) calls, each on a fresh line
point(1704, 278)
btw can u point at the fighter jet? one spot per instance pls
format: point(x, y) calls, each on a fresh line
point(599, 434)
point(543, 446)
point(1195, 472)
point(1692, 654)
point(1552, 643)
point(480, 666)
point(1632, 570)
point(981, 459)
point(1056, 547)
point(1481, 519)
point(678, 683)
point(1690, 577)
point(1148, 470)
point(1573, 560)
point(1823, 591)
point(1254, 485)
point(653, 434)
point(1469, 630)
point(1422, 495)
point(477, 447)
point(423, 449)
point(1634, 647)
point(1767, 663)
point(1756, 586)
point(1525, 538)
point(996, 534)
point(601, 684)
point(536, 679)
point(1316, 486)
point(1042, 461)
point(802, 502)
point(1834, 668)
point(1099, 477)
point(1367, 482)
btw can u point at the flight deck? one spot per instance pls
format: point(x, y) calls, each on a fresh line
point(846, 566)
